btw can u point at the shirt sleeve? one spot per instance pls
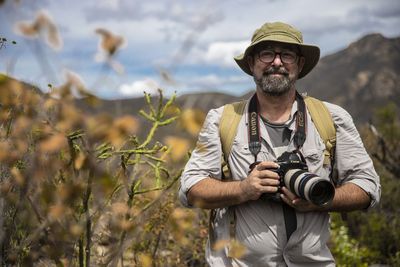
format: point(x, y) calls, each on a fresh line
point(205, 160)
point(353, 162)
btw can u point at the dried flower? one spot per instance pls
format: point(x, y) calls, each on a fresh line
point(43, 24)
point(109, 42)
point(108, 46)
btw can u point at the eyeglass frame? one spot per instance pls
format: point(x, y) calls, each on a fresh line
point(296, 55)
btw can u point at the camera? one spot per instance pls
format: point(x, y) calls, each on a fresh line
point(294, 175)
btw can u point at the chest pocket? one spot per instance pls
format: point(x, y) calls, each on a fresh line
point(313, 153)
point(241, 157)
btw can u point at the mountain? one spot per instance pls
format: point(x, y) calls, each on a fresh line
point(203, 101)
point(360, 78)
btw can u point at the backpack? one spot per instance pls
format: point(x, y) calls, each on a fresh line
point(320, 115)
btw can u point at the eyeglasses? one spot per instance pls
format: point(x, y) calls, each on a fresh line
point(286, 56)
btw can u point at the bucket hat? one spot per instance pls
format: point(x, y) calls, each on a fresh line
point(282, 33)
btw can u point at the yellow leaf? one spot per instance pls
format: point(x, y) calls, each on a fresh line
point(71, 118)
point(220, 244)
point(19, 179)
point(179, 213)
point(182, 219)
point(236, 249)
point(192, 120)
point(127, 124)
point(5, 187)
point(50, 103)
point(76, 229)
point(10, 92)
point(98, 126)
point(21, 125)
point(70, 191)
point(53, 143)
point(120, 208)
point(122, 128)
point(172, 110)
point(126, 225)
point(79, 161)
point(145, 260)
point(179, 147)
point(5, 150)
point(56, 211)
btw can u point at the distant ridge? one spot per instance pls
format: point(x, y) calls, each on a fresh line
point(360, 78)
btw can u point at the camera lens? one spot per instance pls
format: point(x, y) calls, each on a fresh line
point(309, 186)
point(321, 192)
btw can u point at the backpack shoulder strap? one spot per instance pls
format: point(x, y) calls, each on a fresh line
point(228, 125)
point(323, 121)
point(230, 118)
point(229, 122)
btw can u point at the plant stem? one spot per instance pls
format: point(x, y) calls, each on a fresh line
point(88, 219)
point(81, 260)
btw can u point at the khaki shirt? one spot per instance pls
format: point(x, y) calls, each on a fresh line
point(260, 225)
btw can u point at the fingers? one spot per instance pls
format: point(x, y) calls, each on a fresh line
point(288, 194)
point(269, 181)
point(296, 202)
point(266, 169)
point(266, 165)
point(262, 179)
point(288, 197)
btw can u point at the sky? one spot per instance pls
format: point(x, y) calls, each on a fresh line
point(176, 45)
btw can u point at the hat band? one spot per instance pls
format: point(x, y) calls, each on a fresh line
point(280, 33)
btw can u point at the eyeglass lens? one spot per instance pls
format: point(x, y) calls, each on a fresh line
point(267, 56)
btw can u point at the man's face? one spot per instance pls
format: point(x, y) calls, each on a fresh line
point(275, 67)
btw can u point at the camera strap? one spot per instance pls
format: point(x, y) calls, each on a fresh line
point(254, 125)
point(301, 122)
point(289, 213)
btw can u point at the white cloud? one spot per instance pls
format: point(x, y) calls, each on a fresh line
point(207, 81)
point(191, 39)
point(110, 4)
point(222, 53)
point(213, 81)
point(137, 88)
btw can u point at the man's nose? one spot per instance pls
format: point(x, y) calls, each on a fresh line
point(277, 60)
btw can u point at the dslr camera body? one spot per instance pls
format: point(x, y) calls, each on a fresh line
point(294, 175)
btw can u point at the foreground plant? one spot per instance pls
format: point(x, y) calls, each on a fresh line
point(80, 189)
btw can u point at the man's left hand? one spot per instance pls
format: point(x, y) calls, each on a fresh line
point(297, 203)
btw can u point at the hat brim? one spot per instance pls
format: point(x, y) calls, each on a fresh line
point(311, 54)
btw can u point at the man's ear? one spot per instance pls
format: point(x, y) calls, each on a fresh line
point(250, 62)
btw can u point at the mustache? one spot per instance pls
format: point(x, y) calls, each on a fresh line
point(273, 70)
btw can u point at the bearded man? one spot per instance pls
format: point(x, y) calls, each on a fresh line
point(278, 223)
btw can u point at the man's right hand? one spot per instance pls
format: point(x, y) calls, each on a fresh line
point(262, 179)
point(211, 193)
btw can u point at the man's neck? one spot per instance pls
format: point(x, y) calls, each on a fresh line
point(276, 109)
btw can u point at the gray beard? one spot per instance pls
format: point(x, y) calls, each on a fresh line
point(274, 86)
